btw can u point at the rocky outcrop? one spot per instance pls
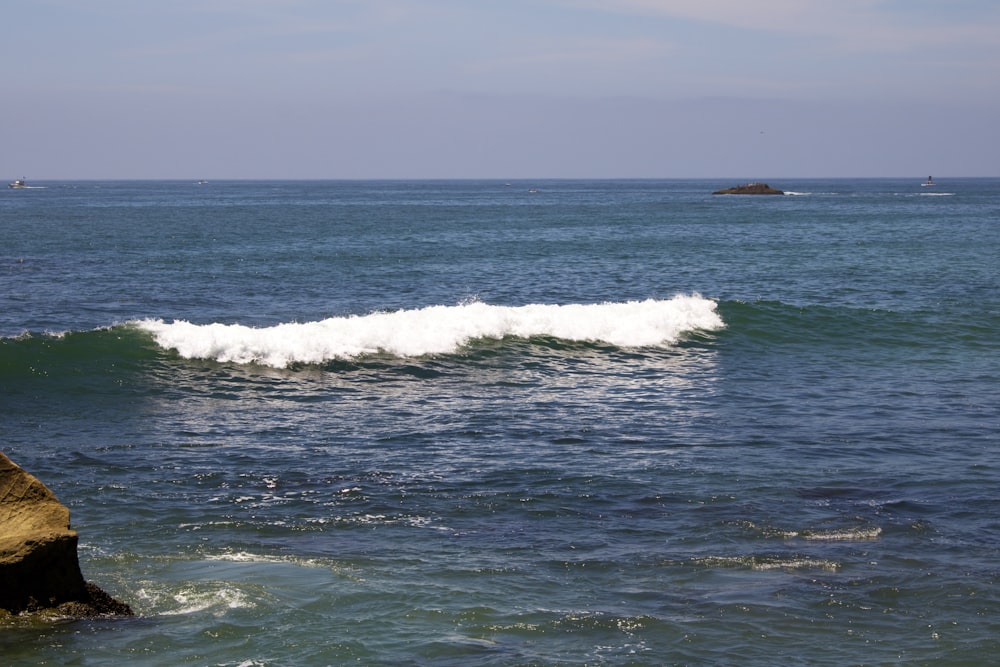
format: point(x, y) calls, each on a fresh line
point(39, 569)
point(750, 189)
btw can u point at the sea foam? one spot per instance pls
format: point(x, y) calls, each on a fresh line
point(437, 330)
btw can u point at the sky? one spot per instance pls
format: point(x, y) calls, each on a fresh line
point(507, 89)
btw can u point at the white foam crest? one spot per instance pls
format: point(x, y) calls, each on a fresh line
point(254, 558)
point(437, 330)
point(190, 601)
point(846, 535)
point(766, 563)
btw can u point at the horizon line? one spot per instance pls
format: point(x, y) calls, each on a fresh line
point(264, 179)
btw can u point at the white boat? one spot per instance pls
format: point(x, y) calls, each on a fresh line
point(19, 183)
point(930, 182)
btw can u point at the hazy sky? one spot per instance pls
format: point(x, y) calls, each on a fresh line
point(499, 88)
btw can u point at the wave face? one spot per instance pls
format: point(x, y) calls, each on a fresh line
point(437, 330)
point(91, 360)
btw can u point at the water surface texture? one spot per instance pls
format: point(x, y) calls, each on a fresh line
point(467, 423)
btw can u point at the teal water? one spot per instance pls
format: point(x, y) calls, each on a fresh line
point(458, 423)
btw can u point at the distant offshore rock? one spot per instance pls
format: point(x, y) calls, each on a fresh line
point(39, 569)
point(750, 189)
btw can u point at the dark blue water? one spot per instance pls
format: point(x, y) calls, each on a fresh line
point(461, 423)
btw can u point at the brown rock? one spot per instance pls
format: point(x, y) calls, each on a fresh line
point(750, 189)
point(39, 568)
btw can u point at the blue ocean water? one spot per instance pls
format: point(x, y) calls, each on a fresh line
point(536, 423)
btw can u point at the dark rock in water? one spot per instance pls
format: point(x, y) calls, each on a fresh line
point(750, 189)
point(39, 569)
point(95, 603)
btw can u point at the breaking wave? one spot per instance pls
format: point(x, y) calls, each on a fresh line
point(437, 330)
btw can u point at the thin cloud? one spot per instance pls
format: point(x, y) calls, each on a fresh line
point(861, 25)
point(601, 52)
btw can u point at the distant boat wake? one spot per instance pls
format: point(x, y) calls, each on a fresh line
point(437, 330)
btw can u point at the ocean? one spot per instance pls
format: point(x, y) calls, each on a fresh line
point(550, 422)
